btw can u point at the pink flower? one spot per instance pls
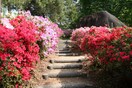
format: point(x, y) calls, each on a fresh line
point(16, 65)
point(25, 73)
point(122, 53)
point(18, 86)
point(6, 23)
point(1, 68)
point(127, 57)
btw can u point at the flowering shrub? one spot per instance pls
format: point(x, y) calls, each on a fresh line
point(107, 45)
point(6, 22)
point(95, 40)
point(77, 36)
point(49, 32)
point(112, 49)
point(19, 52)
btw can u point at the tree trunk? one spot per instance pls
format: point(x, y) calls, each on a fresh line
point(0, 8)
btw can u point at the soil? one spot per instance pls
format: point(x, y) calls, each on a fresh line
point(40, 69)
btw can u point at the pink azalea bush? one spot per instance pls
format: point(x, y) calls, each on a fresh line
point(19, 52)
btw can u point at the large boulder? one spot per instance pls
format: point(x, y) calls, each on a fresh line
point(102, 18)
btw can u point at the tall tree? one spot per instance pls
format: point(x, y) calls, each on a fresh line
point(63, 12)
point(34, 7)
point(14, 4)
point(0, 8)
point(120, 8)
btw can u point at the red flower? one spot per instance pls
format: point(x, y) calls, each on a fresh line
point(130, 53)
point(122, 53)
point(127, 57)
point(25, 74)
point(18, 49)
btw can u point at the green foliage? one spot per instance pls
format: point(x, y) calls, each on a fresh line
point(120, 8)
point(62, 12)
point(8, 82)
point(66, 12)
point(14, 4)
point(34, 7)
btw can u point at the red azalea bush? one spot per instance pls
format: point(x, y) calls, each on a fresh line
point(95, 40)
point(77, 36)
point(112, 49)
point(111, 52)
point(18, 52)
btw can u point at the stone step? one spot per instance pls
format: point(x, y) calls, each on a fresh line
point(68, 54)
point(63, 51)
point(69, 83)
point(64, 74)
point(66, 60)
point(65, 66)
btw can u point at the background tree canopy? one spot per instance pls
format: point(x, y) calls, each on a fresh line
point(122, 9)
point(66, 13)
point(62, 12)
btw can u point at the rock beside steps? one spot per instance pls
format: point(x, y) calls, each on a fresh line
point(67, 69)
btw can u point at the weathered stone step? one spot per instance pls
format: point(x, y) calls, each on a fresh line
point(68, 54)
point(63, 51)
point(65, 66)
point(65, 60)
point(64, 74)
point(69, 83)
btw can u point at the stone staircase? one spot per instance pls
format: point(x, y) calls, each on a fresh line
point(68, 70)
